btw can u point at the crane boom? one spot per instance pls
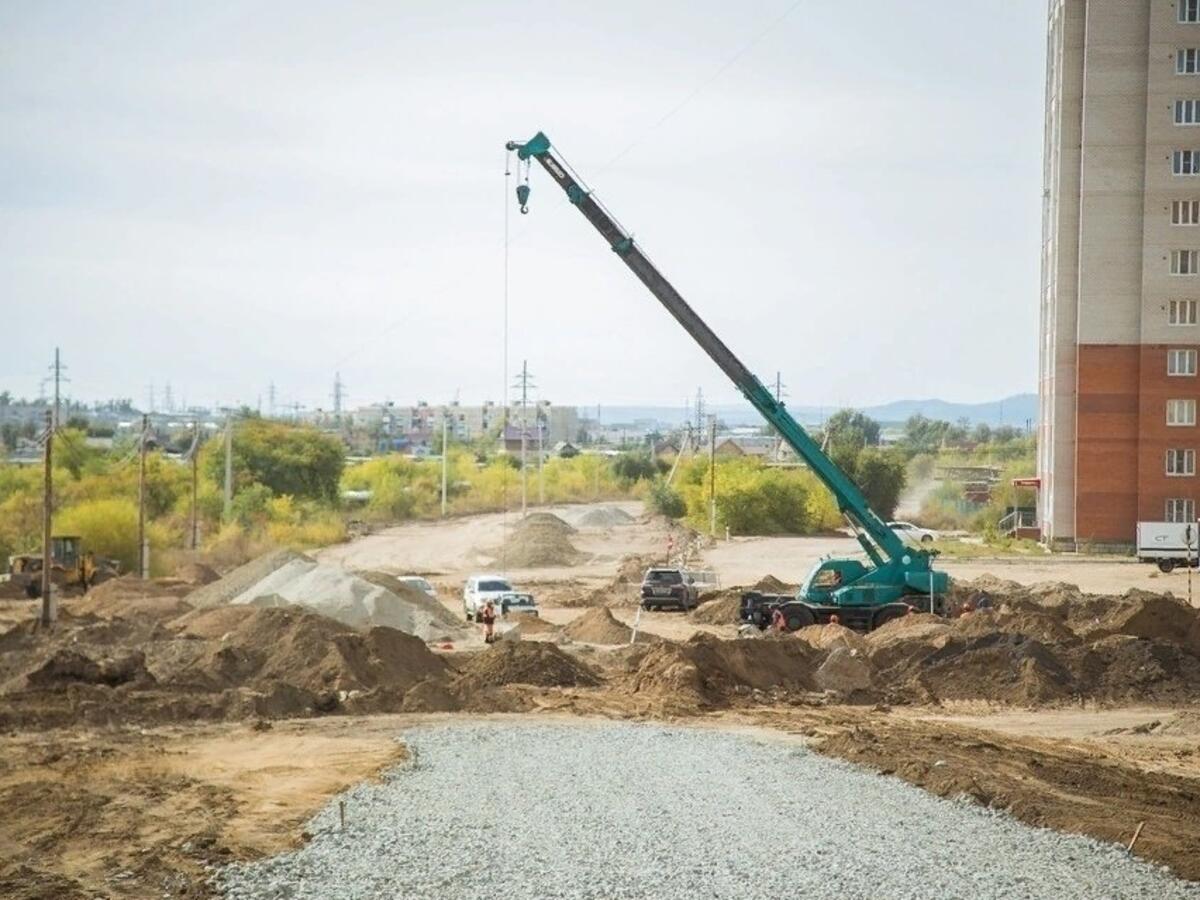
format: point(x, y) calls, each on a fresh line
point(896, 560)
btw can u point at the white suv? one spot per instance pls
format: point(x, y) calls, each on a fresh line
point(479, 589)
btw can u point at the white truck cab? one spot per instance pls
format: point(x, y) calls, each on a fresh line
point(479, 589)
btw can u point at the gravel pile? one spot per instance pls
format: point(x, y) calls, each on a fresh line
point(623, 810)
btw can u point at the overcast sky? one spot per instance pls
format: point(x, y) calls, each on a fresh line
point(218, 195)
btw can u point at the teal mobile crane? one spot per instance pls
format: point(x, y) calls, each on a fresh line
point(862, 596)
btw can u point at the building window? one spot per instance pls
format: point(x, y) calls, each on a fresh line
point(1181, 412)
point(1181, 312)
point(1184, 262)
point(1181, 510)
point(1187, 62)
point(1189, 10)
point(1185, 212)
point(1181, 362)
point(1187, 112)
point(1186, 162)
point(1181, 463)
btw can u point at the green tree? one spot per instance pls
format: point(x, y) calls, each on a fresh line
point(291, 460)
point(881, 477)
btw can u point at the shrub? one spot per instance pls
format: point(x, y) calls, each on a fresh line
point(666, 501)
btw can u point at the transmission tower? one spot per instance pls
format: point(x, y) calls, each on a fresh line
point(271, 400)
point(524, 382)
point(56, 376)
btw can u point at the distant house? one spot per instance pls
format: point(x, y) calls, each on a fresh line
point(565, 449)
point(764, 447)
point(666, 449)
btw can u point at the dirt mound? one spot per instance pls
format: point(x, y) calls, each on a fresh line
point(828, 637)
point(605, 517)
point(536, 663)
point(597, 626)
point(129, 587)
point(240, 579)
point(531, 624)
point(769, 584)
point(108, 603)
point(707, 671)
point(412, 595)
point(1152, 616)
point(539, 540)
point(544, 521)
point(724, 609)
point(632, 568)
point(65, 667)
point(309, 651)
point(197, 573)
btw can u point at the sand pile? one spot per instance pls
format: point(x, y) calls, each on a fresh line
point(241, 579)
point(597, 626)
point(605, 517)
point(535, 663)
point(289, 579)
point(539, 540)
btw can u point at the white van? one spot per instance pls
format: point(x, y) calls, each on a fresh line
point(1168, 544)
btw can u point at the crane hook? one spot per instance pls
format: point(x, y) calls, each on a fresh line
point(523, 197)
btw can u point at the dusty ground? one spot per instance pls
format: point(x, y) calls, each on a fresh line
point(136, 813)
point(142, 812)
point(139, 810)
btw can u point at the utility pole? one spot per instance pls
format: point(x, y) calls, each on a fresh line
point(541, 481)
point(227, 514)
point(195, 483)
point(271, 400)
point(712, 476)
point(48, 611)
point(445, 453)
point(143, 567)
point(57, 393)
point(168, 398)
point(779, 386)
point(700, 410)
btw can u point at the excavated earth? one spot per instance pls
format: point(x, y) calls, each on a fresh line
point(139, 656)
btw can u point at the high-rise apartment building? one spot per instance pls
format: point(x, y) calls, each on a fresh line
point(1117, 436)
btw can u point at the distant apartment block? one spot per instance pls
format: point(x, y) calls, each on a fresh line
point(1120, 269)
point(422, 423)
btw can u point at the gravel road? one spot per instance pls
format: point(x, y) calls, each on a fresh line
point(494, 810)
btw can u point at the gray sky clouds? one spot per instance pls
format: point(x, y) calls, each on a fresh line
point(221, 194)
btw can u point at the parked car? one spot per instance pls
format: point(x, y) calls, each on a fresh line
point(911, 532)
point(420, 584)
point(669, 587)
point(479, 589)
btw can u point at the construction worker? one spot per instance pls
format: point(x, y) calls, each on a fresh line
point(778, 622)
point(489, 622)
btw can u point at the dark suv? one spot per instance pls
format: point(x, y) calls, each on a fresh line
point(669, 587)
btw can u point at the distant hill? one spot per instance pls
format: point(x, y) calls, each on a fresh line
point(1014, 410)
